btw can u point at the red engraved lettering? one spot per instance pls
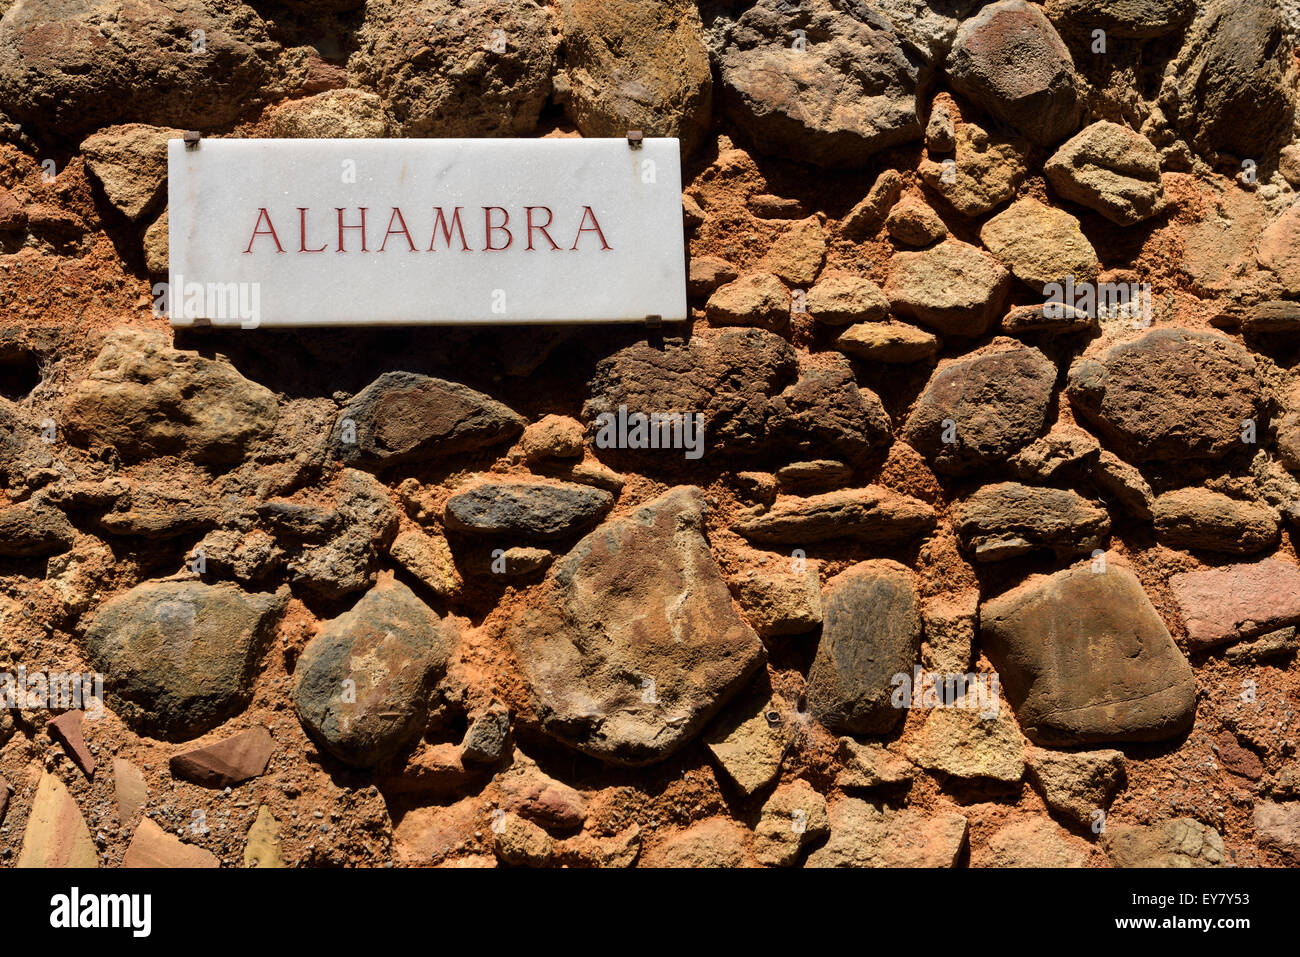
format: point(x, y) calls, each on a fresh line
point(362, 227)
point(262, 214)
point(593, 228)
point(541, 228)
point(302, 232)
point(488, 229)
point(397, 215)
point(440, 222)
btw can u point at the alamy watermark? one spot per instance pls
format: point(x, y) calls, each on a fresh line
point(923, 689)
point(1100, 300)
point(53, 691)
point(657, 430)
point(213, 301)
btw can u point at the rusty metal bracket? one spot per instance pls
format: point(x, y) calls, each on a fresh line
point(635, 139)
point(192, 138)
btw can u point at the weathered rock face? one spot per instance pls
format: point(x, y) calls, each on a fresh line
point(1278, 827)
point(978, 410)
point(1234, 602)
point(984, 172)
point(1040, 245)
point(56, 834)
point(76, 65)
point(363, 682)
point(1109, 168)
point(179, 658)
point(793, 817)
point(144, 398)
point(717, 842)
point(873, 514)
point(973, 740)
point(1010, 60)
point(405, 417)
point(871, 631)
point(887, 341)
point(753, 395)
point(759, 299)
point(130, 162)
point(846, 93)
point(1228, 89)
point(1032, 842)
point(1136, 19)
point(1077, 785)
point(1279, 250)
point(635, 66)
point(527, 510)
point(748, 742)
point(1085, 658)
point(871, 835)
point(634, 643)
point(1171, 395)
point(1181, 842)
point(1009, 519)
point(839, 299)
point(337, 114)
point(415, 54)
point(874, 192)
point(954, 288)
point(31, 529)
point(1201, 520)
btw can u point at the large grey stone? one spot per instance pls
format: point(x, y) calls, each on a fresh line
point(632, 644)
point(1085, 658)
point(362, 684)
point(179, 658)
point(529, 510)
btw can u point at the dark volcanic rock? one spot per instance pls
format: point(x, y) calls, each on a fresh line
point(979, 410)
point(528, 510)
point(406, 417)
point(752, 392)
point(179, 658)
point(1010, 59)
point(847, 93)
point(871, 631)
point(362, 684)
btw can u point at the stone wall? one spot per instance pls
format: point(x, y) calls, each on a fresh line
point(423, 596)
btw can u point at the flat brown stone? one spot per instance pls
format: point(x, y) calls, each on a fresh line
point(226, 763)
point(153, 847)
point(66, 729)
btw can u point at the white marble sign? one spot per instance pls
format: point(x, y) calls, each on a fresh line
point(375, 232)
